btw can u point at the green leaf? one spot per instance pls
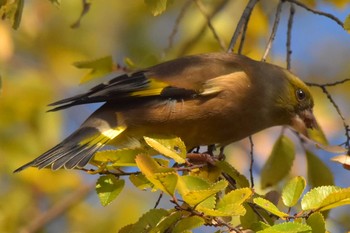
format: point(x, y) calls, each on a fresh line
point(347, 23)
point(293, 190)
point(162, 178)
point(318, 173)
point(168, 222)
point(99, 67)
point(269, 206)
point(148, 221)
point(227, 168)
point(317, 135)
point(117, 158)
point(287, 227)
point(108, 188)
point(251, 219)
point(316, 222)
point(233, 199)
point(279, 163)
point(229, 205)
point(336, 199)
point(140, 181)
point(194, 190)
point(172, 147)
point(157, 6)
point(314, 198)
point(18, 14)
point(188, 223)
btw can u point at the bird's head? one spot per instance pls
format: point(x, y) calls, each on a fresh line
point(299, 103)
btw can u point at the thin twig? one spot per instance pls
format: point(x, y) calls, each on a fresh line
point(289, 36)
point(210, 25)
point(242, 21)
point(244, 32)
point(330, 16)
point(181, 15)
point(328, 84)
point(251, 161)
point(346, 126)
point(200, 33)
point(158, 200)
point(274, 30)
point(58, 209)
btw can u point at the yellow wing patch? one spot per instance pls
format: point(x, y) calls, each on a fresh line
point(104, 137)
point(155, 88)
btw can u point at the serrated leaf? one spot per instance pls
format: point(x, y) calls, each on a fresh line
point(314, 198)
point(233, 199)
point(227, 168)
point(140, 181)
point(316, 222)
point(287, 227)
point(347, 23)
point(148, 220)
point(162, 178)
point(194, 190)
point(293, 190)
point(208, 172)
point(157, 6)
point(99, 67)
point(269, 206)
point(122, 157)
point(188, 223)
point(318, 173)
point(336, 199)
point(172, 147)
point(229, 205)
point(167, 222)
point(108, 188)
point(279, 163)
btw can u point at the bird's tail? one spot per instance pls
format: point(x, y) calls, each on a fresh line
point(77, 149)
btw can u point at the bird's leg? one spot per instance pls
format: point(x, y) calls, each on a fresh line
point(221, 155)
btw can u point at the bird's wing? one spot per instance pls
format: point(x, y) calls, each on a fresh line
point(182, 78)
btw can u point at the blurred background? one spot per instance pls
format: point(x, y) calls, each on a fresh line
point(36, 69)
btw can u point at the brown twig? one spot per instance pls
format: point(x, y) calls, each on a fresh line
point(210, 25)
point(346, 126)
point(251, 161)
point(244, 32)
point(330, 16)
point(328, 84)
point(181, 15)
point(274, 30)
point(289, 36)
point(58, 209)
point(242, 21)
point(158, 200)
point(200, 33)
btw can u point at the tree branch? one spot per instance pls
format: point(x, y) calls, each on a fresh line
point(58, 209)
point(274, 30)
point(289, 36)
point(330, 16)
point(210, 25)
point(242, 21)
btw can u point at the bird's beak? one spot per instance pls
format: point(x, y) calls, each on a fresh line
point(308, 118)
point(303, 120)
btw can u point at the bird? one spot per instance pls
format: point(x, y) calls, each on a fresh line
point(204, 99)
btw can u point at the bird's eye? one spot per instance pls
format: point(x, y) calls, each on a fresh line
point(300, 94)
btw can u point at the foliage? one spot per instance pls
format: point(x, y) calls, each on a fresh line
point(203, 189)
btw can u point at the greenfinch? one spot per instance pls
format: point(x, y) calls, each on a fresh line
point(214, 98)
